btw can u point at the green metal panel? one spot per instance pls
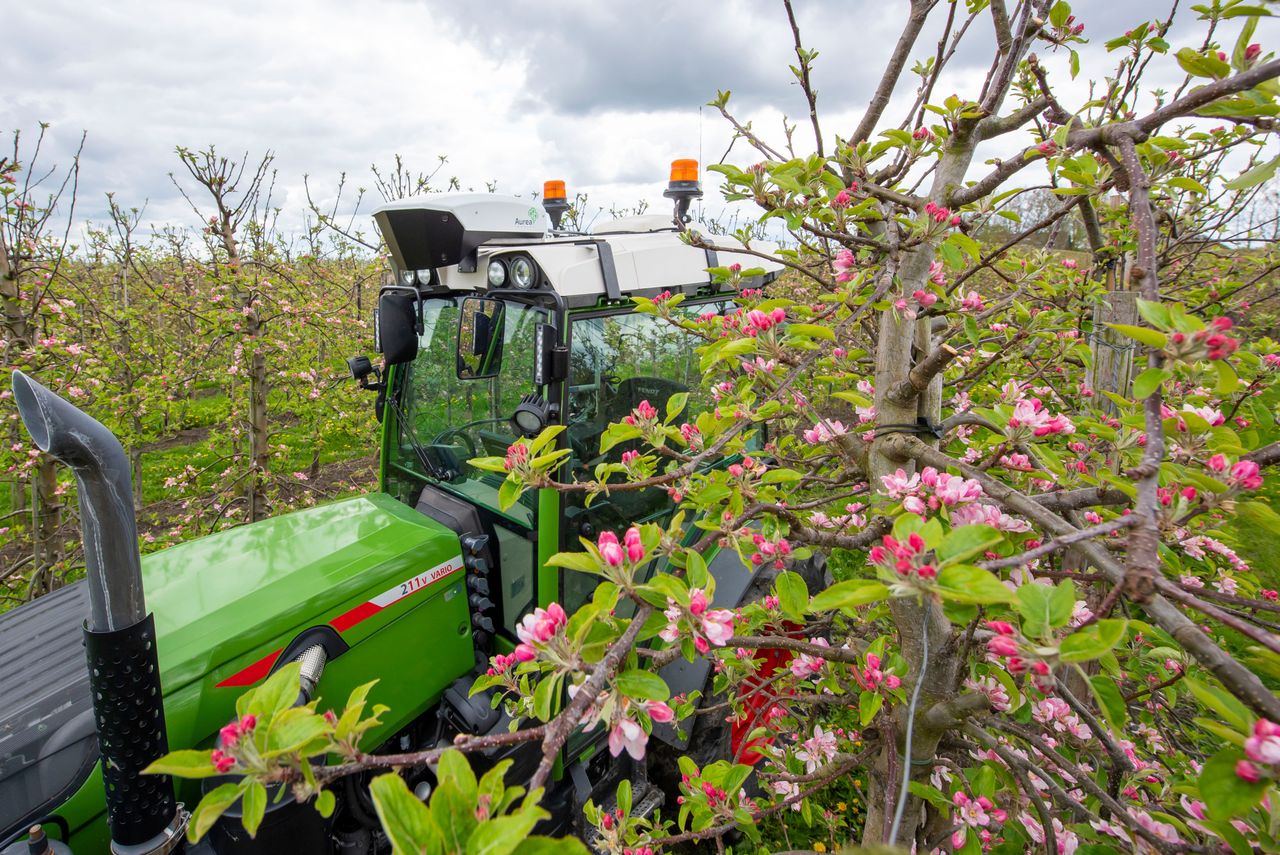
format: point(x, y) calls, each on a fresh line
point(548, 545)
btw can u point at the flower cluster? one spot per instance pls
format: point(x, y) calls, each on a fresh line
point(1212, 343)
point(517, 457)
point(1262, 752)
point(873, 676)
point(974, 813)
point(711, 627)
point(941, 214)
point(537, 628)
point(758, 321)
point(1003, 645)
point(644, 414)
point(844, 198)
point(229, 738)
point(767, 549)
point(804, 665)
point(825, 431)
point(908, 560)
point(930, 489)
point(1243, 475)
point(844, 265)
point(615, 554)
point(1029, 413)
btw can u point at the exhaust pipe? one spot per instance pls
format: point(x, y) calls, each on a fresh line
point(120, 637)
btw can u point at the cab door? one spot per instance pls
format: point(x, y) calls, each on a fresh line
point(617, 361)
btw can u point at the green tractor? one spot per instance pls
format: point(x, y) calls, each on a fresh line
point(494, 324)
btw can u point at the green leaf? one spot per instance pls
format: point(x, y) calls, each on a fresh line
point(1258, 174)
point(545, 696)
point(847, 595)
point(1059, 13)
point(502, 835)
point(453, 806)
point(292, 729)
point(1228, 380)
point(184, 764)
point(1092, 641)
point(1182, 182)
point(1041, 610)
point(1229, 710)
point(1146, 383)
point(1149, 337)
point(509, 493)
point(1154, 313)
point(675, 405)
point(582, 562)
point(551, 846)
point(254, 807)
point(793, 594)
point(965, 542)
point(964, 583)
point(1226, 795)
point(277, 693)
point(213, 805)
point(869, 704)
point(407, 822)
point(1202, 64)
point(325, 803)
point(1110, 701)
point(811, 331)
point(642, 685)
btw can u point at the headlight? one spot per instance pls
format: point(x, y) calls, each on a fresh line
point(424, 277)
point(406, 278)
point(497, 274)
point(523, 273)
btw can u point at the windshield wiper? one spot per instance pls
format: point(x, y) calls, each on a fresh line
point(406, 429)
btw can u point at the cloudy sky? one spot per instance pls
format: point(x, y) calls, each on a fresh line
point(601, 94)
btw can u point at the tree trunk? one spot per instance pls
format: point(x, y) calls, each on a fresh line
point(46, 520)
point(259, 450)
point(135, 467)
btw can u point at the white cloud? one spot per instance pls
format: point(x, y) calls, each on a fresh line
point(602, 95)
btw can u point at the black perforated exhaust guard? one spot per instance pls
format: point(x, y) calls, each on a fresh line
point(128, 708)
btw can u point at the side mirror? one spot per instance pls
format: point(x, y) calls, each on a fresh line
point(480, 335)
point(397, 327)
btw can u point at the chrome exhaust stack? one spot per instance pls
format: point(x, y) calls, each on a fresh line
point(120, 637)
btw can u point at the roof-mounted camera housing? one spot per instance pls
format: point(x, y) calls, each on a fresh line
point(441, 231)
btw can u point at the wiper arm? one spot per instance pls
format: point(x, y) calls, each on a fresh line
point(406, 429)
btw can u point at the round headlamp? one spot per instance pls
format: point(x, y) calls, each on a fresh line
point(497, 274)
point(531, 415)
point(523, 273)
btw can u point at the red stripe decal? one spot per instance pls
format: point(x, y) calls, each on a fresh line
point(345, 621)
point(252, 674)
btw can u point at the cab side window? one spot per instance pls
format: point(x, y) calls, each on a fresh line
point(617, 362)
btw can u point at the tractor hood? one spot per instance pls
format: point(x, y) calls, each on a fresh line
point(224, 606)
point(219, 596)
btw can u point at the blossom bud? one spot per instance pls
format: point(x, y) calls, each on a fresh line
point(1248, 772)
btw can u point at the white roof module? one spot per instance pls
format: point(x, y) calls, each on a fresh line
point(460, 234)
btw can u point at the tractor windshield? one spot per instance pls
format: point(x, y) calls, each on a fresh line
point(456, 419)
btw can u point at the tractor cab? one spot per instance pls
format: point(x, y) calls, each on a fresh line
point(495, 324)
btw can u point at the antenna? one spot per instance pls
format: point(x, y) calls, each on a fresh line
point(700, 160)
